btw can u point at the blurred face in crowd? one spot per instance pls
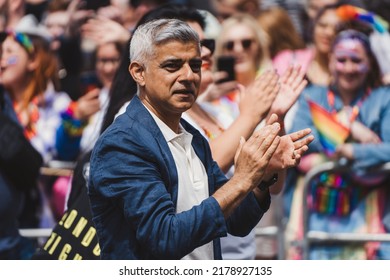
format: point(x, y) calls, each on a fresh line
point(107, 62)
point(325, 30)
point(313, 6)
point(15, 64)
point(206, 54)
point(225, 8)
point(56, 23)
point(239, 41)
point(349, 65)
point(120, 3)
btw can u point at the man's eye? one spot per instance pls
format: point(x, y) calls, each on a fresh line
point(171, 67)
point(196, 66)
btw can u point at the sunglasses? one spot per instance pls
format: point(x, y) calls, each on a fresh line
point(208, 43)
point(104, 61)
point(21, 38)
point(245, 44)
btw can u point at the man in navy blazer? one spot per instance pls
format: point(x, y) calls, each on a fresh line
point(155, 191)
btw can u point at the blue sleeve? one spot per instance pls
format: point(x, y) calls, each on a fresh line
point(376, 115)
point(247, 215)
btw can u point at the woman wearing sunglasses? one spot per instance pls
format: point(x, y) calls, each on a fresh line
point(242, 38)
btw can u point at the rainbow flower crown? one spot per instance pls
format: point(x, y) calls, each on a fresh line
point(19, 37)
point(349, 12)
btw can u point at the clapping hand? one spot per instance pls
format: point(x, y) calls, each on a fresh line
point(291, 148)
point(292, 83)
point(253, 156)
point(257, 99)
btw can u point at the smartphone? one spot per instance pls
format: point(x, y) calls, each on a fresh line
point(89, 81)
point(95, 4)
point(226, 63)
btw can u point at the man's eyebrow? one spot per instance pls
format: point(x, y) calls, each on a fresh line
point(171, 60)
point(196, 60)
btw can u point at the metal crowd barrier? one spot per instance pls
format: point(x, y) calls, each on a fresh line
point(310, 237)
point(275, 231)
point(58, 168)
point(35, 233)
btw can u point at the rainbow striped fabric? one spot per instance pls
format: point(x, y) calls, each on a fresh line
point(331, 132)
point(334, 194)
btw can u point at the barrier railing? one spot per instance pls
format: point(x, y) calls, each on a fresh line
point(275, 231)
point(58, 168)
point(35, 232)
point(309, 236)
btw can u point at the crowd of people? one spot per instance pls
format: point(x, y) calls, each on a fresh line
point(173, 157)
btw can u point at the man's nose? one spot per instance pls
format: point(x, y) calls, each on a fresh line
point(188, 73)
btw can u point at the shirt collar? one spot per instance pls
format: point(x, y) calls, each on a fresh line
point(168, 133)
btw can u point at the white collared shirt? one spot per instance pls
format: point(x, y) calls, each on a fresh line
point(192, 178)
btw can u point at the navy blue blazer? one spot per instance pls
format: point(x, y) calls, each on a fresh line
point(133, 189)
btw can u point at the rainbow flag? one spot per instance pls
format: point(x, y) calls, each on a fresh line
point(331, 132)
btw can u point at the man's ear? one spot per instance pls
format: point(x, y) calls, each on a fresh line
point(137, 71)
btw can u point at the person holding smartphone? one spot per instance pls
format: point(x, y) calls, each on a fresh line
point(242, 40)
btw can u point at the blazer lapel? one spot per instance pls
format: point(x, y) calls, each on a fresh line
point(137, 111)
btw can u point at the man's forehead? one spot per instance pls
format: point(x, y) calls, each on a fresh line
point(172, 50)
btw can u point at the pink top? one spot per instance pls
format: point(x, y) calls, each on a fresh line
point(285, 58)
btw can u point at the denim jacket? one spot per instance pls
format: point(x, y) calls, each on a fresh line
point(133, 189)
point(374, 113)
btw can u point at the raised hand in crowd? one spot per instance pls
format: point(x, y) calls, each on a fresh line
point(110, 12)
point(292, 83)
point(256, 100)
point(77, 16)
point(217, 90)
point(87, 105)
point(102, 30)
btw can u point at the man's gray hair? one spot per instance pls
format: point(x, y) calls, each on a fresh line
point(157, 32)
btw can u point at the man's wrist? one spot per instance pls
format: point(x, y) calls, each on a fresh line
point(264, 185)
